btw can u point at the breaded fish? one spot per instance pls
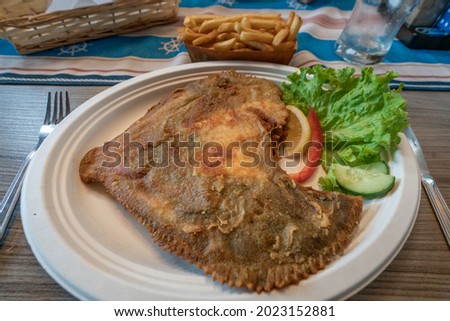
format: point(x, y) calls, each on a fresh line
point(198, 172)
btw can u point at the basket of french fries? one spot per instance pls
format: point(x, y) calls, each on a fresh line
point(257, 37)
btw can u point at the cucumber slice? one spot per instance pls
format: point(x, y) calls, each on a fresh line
point(375, 168)
point(362, 182)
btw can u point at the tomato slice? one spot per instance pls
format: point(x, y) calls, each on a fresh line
point(314, 150)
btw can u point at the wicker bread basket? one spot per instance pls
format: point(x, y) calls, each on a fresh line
point(35, 31)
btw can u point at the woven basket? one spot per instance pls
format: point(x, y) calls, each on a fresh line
point(41, 31)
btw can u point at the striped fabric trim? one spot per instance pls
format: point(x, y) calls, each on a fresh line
point(111, 60)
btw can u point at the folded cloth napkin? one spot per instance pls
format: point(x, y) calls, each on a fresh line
point(108, 61)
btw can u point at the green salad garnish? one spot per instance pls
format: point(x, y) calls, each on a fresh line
point(360, 116)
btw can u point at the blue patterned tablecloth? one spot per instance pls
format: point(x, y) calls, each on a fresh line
point(111, 60)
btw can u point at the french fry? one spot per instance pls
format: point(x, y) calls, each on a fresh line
point(246, 23)
point(206, 38)
point(189, 36)
point(201, 17)
point(279, 25)
point(224, 45)
point(189, 22)
point(227, 35)
point(294, 28)
point(238, 27)
point(290, 18)
point(252, 30)
point(226, 27)
point(280, 36)
point(262, 23)
point(268, 16)
point(265, 37)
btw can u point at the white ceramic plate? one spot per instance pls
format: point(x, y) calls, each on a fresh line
point(94, 249)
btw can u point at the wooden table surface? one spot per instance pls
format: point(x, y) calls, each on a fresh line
point(421, 271)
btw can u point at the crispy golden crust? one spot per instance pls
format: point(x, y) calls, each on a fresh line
point(244, 222)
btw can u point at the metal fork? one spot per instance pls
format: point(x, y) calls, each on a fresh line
point(54, 114)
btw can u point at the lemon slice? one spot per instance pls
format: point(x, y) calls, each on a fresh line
point(298, 132)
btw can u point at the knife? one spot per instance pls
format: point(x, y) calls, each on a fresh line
point(437, 200)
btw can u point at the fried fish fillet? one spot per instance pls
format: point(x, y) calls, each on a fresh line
point(195, 170)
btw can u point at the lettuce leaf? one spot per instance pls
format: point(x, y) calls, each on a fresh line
point(360, 116)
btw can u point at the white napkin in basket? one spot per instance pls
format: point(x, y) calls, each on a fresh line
point(57, 5)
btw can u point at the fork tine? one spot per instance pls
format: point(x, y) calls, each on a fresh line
point(60, 108)
point(55, 110)
point(67, 105)
point(49, 108)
